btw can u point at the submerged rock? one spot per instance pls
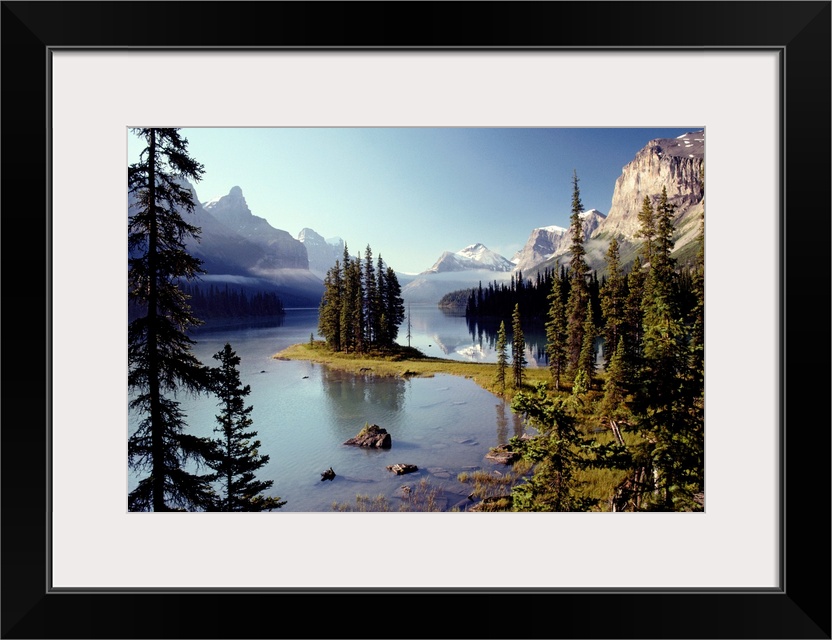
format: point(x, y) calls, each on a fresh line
point(400, 468)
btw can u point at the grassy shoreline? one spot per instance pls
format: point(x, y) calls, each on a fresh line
point(407, 362)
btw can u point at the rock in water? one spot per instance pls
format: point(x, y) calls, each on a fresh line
point(400, 468)
point(371, 436)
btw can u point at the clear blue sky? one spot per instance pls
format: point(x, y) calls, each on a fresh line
point(412, 193)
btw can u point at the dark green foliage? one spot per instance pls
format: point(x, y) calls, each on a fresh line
point(555, 453)
point(556, 332)
point(212, 302)
point(373, 306)
point(456, 300)
point(160, 362)
point(393, 305)
point(647, 229)
point(576, 307)
point(497, 299)
point(613, 404)
point(652, 321)
point(237, 457)
point(518, 349)
point(613, 302)
point(329, 312)
point(586, 361)
point(362, 305)
point(502, 357)
point(667, 408)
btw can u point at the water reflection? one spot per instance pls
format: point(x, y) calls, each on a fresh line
point(483, 332)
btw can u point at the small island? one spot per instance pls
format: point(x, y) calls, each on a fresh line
point(402, 361)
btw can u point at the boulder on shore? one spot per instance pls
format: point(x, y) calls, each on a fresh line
point(372, 436)
point(503, 454)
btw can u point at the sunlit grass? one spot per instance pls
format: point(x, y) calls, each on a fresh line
point(406, 362)
point(421, 497)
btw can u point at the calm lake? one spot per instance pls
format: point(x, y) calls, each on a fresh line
point(304, 412)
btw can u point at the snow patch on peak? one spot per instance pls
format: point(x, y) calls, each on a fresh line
point(474, 256)
point(552, 228)
point(590, 212)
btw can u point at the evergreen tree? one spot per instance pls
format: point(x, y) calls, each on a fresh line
point(160, 361)
point(615, 384)
point(393, 305)
point(579, 291)
point(613, 302)
point(352, 307)
point(502, 357)
point(383, 338)
point(586, 361)
point(647, 229)
point(373, 308)
point(633, 314)
point(555, 454)
point(237, 457)
point(518, 349)
point(697, 337)
point(329, 310)
point(663, 266)
point(667, 406)
point(556, 332)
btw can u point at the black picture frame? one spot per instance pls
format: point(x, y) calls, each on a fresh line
point(800, 31)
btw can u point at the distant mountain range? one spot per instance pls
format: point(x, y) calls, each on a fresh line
point(245, 250)
point(671, 163)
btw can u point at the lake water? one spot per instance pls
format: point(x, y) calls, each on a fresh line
point(304, 412)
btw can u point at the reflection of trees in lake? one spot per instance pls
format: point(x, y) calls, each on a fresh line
point(502, 423)
point(484, 333)
point(504, 414)
point(356, 390)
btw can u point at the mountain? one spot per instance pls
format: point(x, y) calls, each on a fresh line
point(321, 252)
point(283, 251)
point(549, 242)
point(473, 257)
point(671, 163)
point(459, 270)
point(244, 251)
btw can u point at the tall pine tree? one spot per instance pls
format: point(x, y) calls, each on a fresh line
point(160, 361)
point(578, 302)
point(518, 348)
point(502, 357)
point(613, 301)
point(556, 332)
point(237, 456)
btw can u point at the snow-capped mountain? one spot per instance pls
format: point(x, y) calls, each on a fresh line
point(473, 257)
point(322, 252)
point(458, 270)
point(552, 241)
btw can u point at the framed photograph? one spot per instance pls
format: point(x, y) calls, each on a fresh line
point(754, 77)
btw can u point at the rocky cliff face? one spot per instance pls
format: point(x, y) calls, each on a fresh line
point(322, 252)
point(670, 163)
